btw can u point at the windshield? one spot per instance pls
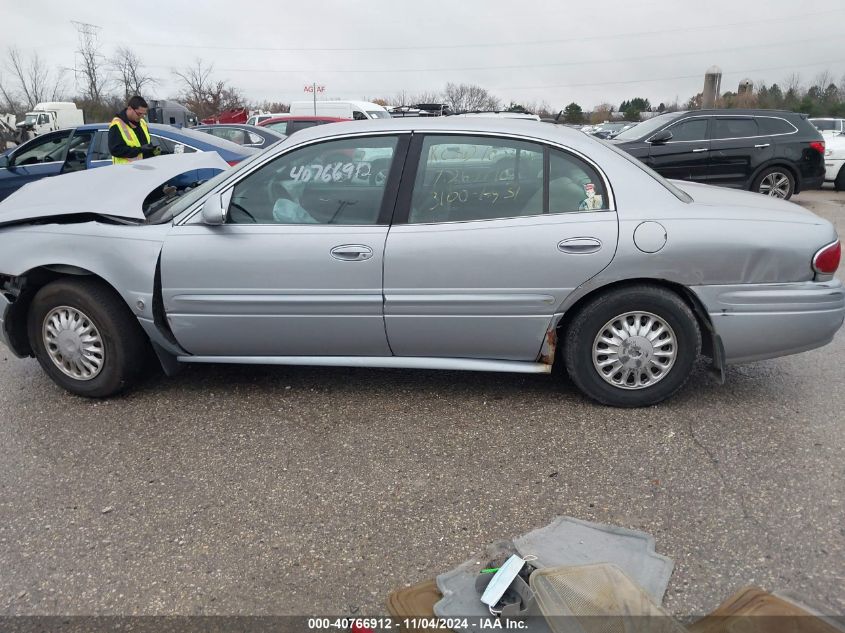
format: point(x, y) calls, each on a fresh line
point(683, 196)
point(186, 200)
point(644, 129)
point(378, 114)
point(31, 119)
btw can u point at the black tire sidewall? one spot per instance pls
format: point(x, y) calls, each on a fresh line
point(771, 170)
point(121, 347)
point(839, 182)
point(585, 326)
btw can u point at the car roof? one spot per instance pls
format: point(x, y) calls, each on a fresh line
point(297, 117)
point(471, 125)
point(241, 126)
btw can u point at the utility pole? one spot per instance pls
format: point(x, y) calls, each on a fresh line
point(314, 89)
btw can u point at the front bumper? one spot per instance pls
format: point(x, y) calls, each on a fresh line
point(759, 321)
point(4, 310)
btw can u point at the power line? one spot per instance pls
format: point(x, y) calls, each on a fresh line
point(790, 18)
point(510, 67)
point(696, 76)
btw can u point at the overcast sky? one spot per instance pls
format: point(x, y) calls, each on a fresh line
point(557, 51)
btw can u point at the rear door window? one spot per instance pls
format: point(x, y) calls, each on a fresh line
point(463, 178)
point(730, 128)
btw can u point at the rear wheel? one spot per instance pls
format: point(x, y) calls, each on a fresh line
point(776, 182)
point(85, 337)
point(632, 347)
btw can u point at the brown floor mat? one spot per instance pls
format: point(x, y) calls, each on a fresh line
point(752, 610)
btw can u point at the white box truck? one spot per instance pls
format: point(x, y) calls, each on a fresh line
point(340, 109)
point(53, 115)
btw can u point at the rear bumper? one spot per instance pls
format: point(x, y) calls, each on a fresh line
point(759, 321)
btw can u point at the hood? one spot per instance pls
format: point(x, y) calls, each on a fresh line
point(116, 190)
point(753, 205)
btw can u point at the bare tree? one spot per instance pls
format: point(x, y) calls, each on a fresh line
point(824, 79)
point(131, 77)
point(94, 66)
point(32, 82)
point(793, 84)
point(469, 97)
point(429, 96)
point(205, 95)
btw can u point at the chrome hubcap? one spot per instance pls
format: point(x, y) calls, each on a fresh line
point(73, 343)
point(776, 185)
point(634, 350)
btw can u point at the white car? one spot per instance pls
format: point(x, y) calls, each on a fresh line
point(829, 126)
point(834, 160)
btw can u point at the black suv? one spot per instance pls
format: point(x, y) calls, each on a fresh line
point(774, 152)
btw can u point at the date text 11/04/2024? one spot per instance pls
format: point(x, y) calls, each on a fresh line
point(364, 624)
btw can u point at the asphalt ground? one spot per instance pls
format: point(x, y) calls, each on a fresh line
point(268, 490)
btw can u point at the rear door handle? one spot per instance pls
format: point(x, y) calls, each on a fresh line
point(763, 145)
point(579, 245)
point(700, 149)
point(352, 252)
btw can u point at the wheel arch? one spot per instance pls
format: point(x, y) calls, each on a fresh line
point(22, 288)
point(776, 162)
point(710, 344)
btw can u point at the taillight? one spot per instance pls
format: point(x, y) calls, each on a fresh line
point(232, 163)
point(818, 146)
point(826, 261)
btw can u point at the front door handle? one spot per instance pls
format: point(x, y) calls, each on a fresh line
point(700, 149)
point(352, 252)
point(762, 145)
point(579, 245)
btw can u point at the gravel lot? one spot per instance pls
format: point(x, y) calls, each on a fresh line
point(262, 490)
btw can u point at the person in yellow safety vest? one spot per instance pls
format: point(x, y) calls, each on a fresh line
point(129, 136)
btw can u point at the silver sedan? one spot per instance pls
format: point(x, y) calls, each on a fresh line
point(461, 244)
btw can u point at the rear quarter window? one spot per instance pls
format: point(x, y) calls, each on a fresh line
point(771, 125)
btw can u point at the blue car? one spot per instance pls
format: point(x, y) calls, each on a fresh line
point(86, 147)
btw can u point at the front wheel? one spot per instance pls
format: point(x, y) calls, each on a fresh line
point(632, 347)
point(85, 337)
point(776, 182)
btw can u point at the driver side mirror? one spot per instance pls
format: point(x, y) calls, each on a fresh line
point(4, 161)
point(661, 137)
point(215, 208)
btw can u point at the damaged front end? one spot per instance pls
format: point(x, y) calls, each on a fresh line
point(13, 328)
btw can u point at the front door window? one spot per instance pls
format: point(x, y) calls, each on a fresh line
point(337, 182)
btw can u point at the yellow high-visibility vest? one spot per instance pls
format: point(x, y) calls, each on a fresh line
point(129, 137)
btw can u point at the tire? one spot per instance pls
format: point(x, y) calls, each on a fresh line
point(111, 333)
point(839, 183)
point(661, 374)
point(777, 182)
